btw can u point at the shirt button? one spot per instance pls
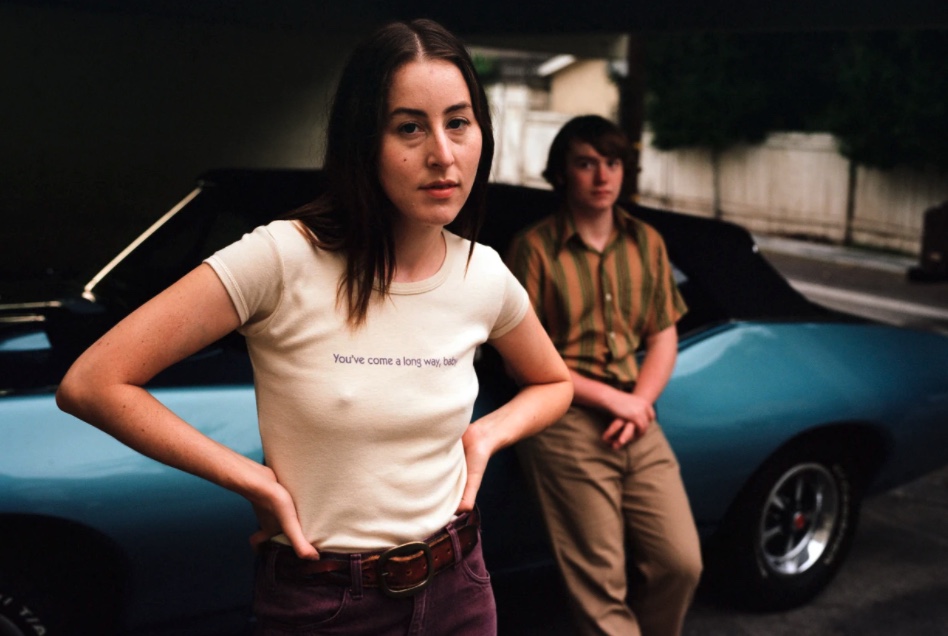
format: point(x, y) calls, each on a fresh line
point(608, 297)
point(612, 334)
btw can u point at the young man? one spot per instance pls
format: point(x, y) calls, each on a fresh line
point(604, 474)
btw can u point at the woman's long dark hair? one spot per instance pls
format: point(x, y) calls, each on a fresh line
point(354, 216)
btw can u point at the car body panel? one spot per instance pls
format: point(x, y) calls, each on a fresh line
point(54, 466)
point(804, 377)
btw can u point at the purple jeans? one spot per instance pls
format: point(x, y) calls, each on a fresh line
point(458, 601)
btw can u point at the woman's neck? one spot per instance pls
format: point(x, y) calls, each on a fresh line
point(419, 254)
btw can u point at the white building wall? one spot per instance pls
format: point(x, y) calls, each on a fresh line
point(584, 88)
point(522, 137)
point(509, 104)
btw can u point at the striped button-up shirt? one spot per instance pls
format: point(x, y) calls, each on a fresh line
point(598, 307)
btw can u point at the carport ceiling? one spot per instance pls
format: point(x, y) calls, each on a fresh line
point(549, 17)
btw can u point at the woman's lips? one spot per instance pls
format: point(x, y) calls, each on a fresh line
point(440, 189)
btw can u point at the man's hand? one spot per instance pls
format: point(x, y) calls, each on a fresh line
point(634, 415)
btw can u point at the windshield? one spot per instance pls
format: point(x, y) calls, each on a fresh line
point(225, 206)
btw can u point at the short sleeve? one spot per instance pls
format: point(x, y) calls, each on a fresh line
point(513, 308)
point(252, 272)
point(667, 305)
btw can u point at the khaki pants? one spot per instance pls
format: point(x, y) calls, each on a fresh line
point(596, 501)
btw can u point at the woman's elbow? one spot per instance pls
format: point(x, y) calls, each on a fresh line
point(73, 395)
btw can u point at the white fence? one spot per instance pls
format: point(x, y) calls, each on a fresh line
point(793, 184)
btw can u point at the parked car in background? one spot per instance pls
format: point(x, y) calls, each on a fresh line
point(784, 415)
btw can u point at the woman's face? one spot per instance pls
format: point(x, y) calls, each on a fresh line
point(431, 143)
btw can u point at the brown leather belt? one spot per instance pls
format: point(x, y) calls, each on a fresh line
point(403, 570)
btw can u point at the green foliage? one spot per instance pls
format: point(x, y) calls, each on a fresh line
point(892, 102)
point(884, 95)
point(488, 68)
point(701, 92)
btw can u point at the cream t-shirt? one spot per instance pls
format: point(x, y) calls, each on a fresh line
point(364, 427)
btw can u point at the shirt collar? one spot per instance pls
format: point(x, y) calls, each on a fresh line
point(566, 227)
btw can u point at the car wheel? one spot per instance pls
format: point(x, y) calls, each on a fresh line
point(22, 613)
point(27, 609)
point(789, 530)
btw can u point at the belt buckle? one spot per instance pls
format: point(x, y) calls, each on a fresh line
point(404, 550)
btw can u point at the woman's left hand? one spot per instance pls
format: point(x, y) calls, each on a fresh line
point(477, 451)
point(545, 393)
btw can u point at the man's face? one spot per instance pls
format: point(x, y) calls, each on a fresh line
point(593, 181)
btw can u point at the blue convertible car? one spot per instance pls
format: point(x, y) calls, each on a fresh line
point(784, 415)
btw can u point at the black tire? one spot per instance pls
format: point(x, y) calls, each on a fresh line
point(790, 529)
point(28, 608)
point(57, 578)
point(23, 613)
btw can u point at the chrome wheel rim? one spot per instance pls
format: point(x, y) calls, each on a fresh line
point(799, 516)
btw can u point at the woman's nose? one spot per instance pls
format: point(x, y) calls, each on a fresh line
point(440, 152)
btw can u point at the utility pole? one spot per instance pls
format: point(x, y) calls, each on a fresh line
point(632, 104)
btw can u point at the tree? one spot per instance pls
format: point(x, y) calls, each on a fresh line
point(883, 94)
point(892, 99)
point(702, 92)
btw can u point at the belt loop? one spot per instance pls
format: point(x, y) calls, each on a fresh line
point(455, 543)
point(355, 575)
point(270, 555)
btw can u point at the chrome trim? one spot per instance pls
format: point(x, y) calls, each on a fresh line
point(22, 319)
point(87, 290)
point(36, 305)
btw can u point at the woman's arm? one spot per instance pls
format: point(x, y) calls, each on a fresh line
point(104, 387)
point(545, 394)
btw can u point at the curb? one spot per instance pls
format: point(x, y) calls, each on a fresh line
point(836, 254)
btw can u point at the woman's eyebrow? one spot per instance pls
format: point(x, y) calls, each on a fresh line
point(412, 112)
point(456, 107)
point(417, 112)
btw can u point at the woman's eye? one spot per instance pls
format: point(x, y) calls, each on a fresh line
point(457, 124)
point(409, 128)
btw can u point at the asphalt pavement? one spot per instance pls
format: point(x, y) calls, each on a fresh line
point(864, 282)
point(895, 580)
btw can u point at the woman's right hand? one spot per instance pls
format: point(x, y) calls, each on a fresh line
point(276, 514)
point(105, 384)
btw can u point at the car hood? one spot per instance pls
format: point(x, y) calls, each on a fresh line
point(16, 291)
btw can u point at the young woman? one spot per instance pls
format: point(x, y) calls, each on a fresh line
point(362, 315)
